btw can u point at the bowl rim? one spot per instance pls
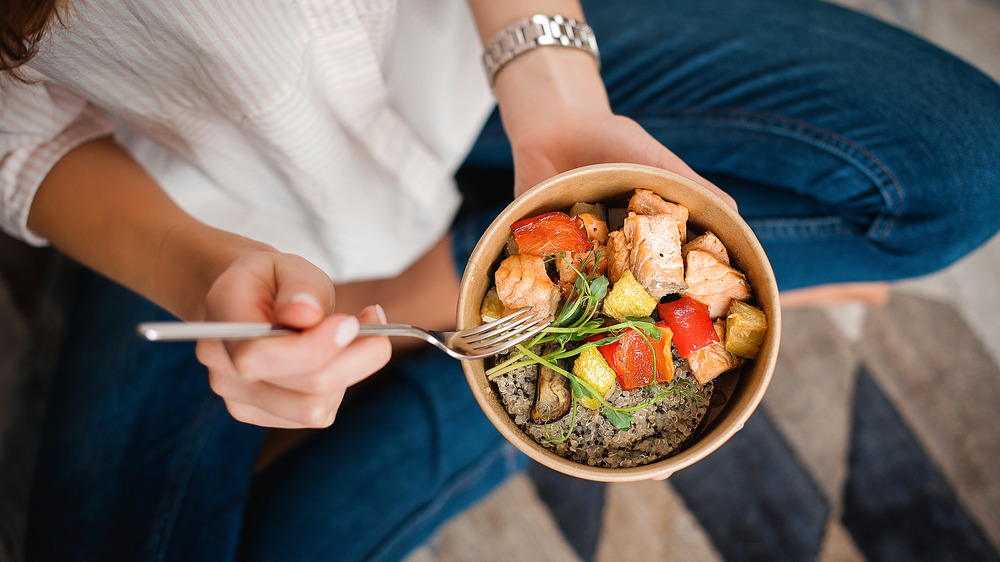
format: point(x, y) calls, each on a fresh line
point(479, 264)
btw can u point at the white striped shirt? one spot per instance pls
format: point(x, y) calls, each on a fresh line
point(327, 128)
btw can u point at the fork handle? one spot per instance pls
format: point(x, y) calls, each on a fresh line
point(190, 331)
point(394, 330)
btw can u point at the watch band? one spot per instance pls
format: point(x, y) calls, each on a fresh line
point(537, 31)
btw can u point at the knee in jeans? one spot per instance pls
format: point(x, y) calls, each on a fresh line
point(934, 243)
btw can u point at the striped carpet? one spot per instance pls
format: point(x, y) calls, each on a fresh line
point(883, 448)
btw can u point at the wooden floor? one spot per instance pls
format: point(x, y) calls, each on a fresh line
point(868, 459)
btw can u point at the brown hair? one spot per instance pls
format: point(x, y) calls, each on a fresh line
point(22, 25)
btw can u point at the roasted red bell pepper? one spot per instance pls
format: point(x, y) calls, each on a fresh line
point(632, 359)
point(551, 233)
point(688, 319)
point(664, 361)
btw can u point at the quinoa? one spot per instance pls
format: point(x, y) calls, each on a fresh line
point(645, 248)
point(657, 430)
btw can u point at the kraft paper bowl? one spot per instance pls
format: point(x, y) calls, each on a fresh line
point(612, 184)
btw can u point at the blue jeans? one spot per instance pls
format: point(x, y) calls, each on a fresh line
point(855, 151)
point(140, 460)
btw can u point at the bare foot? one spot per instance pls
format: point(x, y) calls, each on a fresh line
point(871, 293)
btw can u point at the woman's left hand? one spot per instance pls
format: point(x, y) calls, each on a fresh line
point(593, 139)
point(557, 116)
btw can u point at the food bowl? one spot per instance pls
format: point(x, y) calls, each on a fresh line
point(737, 396)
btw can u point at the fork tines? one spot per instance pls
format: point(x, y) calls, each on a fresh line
point(516, 327)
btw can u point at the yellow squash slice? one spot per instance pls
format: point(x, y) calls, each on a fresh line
point(591, 367)
point(745, 329)
point(628, 298)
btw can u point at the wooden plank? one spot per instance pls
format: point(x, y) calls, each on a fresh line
point(648, 521)
point(510, 524)
point(810, 395)
point(945, 385)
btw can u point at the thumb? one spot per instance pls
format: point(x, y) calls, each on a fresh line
point(305, 294)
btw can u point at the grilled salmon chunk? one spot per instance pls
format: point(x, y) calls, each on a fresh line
point(522, 282)
point(714, 283)
point(592, 263)
point(710, 243)
point(597, 228)
point(713, 360)
point(655, 253)
point(645, 202)
point(618, 252)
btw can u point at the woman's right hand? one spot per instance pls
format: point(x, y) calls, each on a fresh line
point(101, 208)
point(293, 381)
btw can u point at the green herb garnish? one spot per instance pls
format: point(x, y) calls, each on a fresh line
point(576, 321)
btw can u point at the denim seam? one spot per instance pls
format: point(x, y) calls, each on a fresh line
point(884, 180)
point(776, 229)
point(180, 477)
point(465, 481)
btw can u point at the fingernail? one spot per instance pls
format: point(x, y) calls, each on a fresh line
point(346, 331)
point(380, 313)
point(307, 299)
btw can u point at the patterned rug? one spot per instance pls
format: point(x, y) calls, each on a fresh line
point(883, 448)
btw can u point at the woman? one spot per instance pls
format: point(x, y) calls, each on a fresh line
point(293, 164)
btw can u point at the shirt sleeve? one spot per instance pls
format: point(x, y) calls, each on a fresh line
point(39, 123)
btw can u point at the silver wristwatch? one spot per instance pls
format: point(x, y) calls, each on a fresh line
point(537, 31)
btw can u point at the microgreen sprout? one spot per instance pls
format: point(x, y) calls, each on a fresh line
point(578, 320)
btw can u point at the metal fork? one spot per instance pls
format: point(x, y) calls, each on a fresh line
point(475, 343)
